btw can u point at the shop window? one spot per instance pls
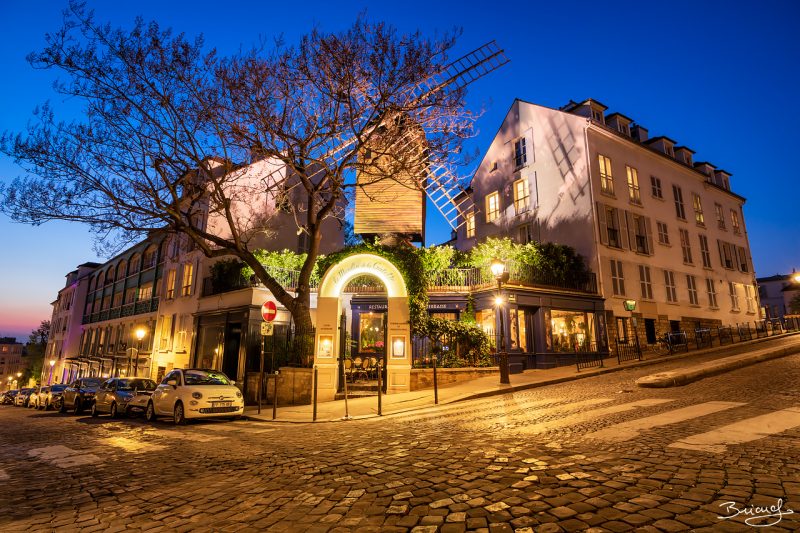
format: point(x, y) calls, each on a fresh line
point(370, 333)
point(517, 329)
point(572, 330)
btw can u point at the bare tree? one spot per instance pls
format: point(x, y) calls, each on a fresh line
point(171, 131)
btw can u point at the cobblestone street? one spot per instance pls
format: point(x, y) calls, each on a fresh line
point(594, 453)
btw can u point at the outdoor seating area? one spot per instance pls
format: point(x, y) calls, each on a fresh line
point(360, 369)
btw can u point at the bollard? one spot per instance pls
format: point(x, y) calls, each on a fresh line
point(316, 375)
point(435, 384)
point(275, 397)
point(380, 413)
point(346, 408)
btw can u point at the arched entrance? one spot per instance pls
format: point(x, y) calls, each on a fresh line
point(329, 307)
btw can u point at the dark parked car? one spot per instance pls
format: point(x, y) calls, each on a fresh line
point(80, 394)
point(54, 397)
point(8, 397)
point(123, 395)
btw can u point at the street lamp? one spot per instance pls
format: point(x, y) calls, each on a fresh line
point(52, 364)
point(19, 376)
point(796, 277)
point(500, 273)
point(140, 333)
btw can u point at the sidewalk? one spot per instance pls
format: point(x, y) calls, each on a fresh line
point(489, 386)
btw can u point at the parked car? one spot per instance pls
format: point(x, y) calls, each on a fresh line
point(195, 393)
point(22, 397)
point(36, 397)
point(8, 397)
point(123, 395)
point(79, 395)
point(54, 396)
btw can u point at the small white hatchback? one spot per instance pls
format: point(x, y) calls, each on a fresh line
point(195, 393)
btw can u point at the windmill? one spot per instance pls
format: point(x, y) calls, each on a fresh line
point(391, 205)
point(394, 209)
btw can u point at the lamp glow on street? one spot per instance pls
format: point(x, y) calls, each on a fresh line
point(52, 362)
point(796, 277)
point(498, 301)
point(140, 333)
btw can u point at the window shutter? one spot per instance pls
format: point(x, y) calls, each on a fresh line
point(623, 228)
point(648, 228)
point(721, 253)
point(603, 223)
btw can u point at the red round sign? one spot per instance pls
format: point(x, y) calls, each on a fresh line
point(269, 311)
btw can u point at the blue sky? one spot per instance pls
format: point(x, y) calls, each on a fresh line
point(719, 77)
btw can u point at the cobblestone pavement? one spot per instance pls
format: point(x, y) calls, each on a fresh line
point(597, 454)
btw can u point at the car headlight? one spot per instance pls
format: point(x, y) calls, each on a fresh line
point(238, 394)
point(197, 395)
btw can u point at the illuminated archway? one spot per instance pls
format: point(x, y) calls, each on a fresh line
point(329, 307)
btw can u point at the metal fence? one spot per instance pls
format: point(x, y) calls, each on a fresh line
point(289, 346)
point(628, 351)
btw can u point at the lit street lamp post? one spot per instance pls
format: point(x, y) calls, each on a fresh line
point(52, 364)
point(19, 376)
point(140, 333)
point(500, 273)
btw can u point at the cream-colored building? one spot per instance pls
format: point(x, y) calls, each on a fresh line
point(655, 225)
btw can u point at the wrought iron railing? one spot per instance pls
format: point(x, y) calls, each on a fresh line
point(131, 309)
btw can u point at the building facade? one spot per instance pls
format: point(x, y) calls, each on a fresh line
point(656, 226)
point(777, 292)
point(10, 362)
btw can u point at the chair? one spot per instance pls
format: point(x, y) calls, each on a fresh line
point(358, 368)
point(373, 367)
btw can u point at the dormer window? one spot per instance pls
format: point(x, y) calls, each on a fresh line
point(687, 158)
point(598, 116)
point(668, 150)
point(624, 129)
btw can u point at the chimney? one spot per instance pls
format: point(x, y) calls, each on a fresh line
point(639, 133)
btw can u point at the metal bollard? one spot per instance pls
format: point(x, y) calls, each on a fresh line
point(346, 408)
point(316, 375)
point(275, 397)
point(435, 384)
point(380, 411)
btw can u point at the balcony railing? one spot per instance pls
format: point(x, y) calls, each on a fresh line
point(136, 308)
point(449, 280)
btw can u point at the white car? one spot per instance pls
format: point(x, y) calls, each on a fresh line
point(195, 393)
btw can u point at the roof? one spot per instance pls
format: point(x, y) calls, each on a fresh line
point(685, 148)
point(776, 277)
point(629, 119)
point(660, 137)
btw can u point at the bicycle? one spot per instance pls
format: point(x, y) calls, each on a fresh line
point(663, 345)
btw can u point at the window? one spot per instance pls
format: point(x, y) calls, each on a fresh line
point(704, 252)
point(697, 204)
point(133, 265)
point(165, 334)
point(734, 296)
point(644, 282)
point(149, 259)
point(470, 225)
point(726, 256)
point(686, 247)
point(146, 292)
point(188, 273)
point(720, 216)
point(130, 295)
point(606, 178)
point(617, 278)
point(655, 186)
point(735, 222)
point(171, 283)
point(117, 299)
point(520, 155)
point(679, 209)
point(748, 295)
point(743, 260)
point(663, 234)
point(612, 227)
point(641, 243)
point(524, 234)
point(669, 284)
point(622, 329)
point(492, 206)
point(521, 195)
point(691, 284)
point(633, 185)
point(712, 293)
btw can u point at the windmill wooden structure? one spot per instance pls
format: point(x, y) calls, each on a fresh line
point(390, 203)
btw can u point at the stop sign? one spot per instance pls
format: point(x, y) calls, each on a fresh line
point(269, 311)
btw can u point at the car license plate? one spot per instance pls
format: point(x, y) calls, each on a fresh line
point(220, 404)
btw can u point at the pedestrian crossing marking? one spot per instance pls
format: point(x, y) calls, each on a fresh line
point(539, 412)
point(63, 457)
point(132, 445)
point(633, 428)
point(758, 427)
point(586, 416)
point(189, 435)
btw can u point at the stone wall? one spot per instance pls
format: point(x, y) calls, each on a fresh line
point(294, 387)
point(422, 378)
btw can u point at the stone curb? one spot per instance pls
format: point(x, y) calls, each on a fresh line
point(678, 378)
point(554, 381)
